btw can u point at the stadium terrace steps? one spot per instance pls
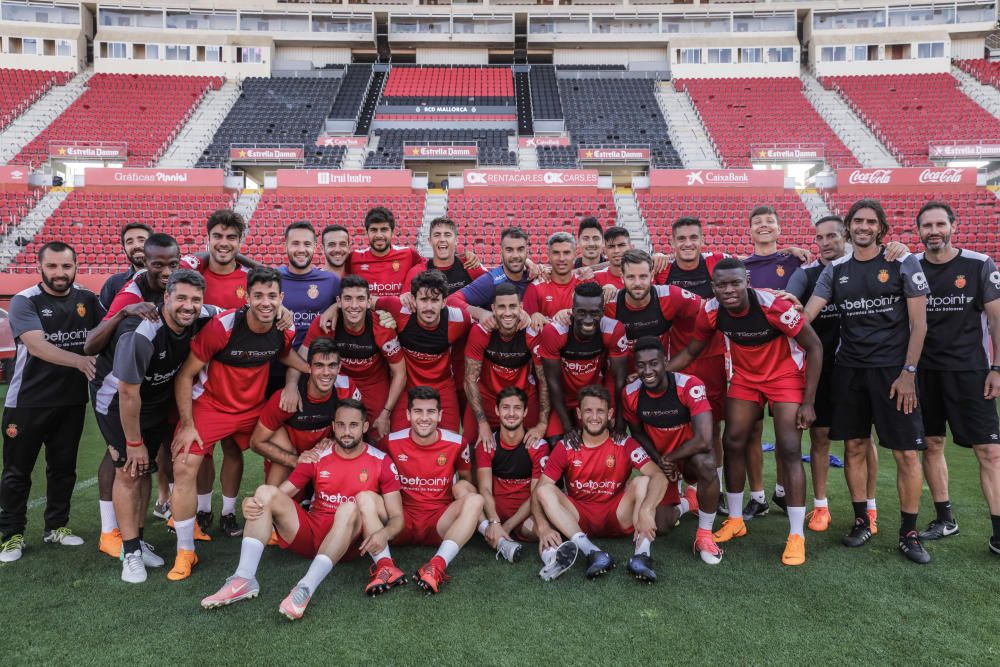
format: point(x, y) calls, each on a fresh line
point(815, 204)
point(246, 205)
point(12, 244)
point(869, 151)
point(527, 157)
point(197, 133)
point(39, 115)
point(435, 206)
point(685, 129)
point(986, 96)
point(627, 209)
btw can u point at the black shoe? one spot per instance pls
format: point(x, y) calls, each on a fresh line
point(911, 547)
point(204, 520)
point(723, 504)
point(598, 563)
point(938, 529)
point(994, 545)
point(754, 509)
point(640, 566)
point(860, 533)
point(780, 502)
point(230, 526)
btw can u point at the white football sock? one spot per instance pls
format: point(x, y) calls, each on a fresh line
point(584, 544)
point(447, 551)
point(185, 534)
point(871, 504)
point(820, 502)
point(683, 507)
point(548, 555)
point(796, 520)
point(642, 547)
point(204, 502)
point(735, 504)
point(779, 491)
point(320, 567)
point(483, 526)
point(705, 520)
point(108, 519)
point(759, 496)
point(229, 506)
point(722, 482)
point(381, 554)
point(250, 552)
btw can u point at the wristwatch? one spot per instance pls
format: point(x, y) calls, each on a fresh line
point(910, 368)
point(995, 369)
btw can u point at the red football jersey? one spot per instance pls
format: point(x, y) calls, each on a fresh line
point(605, 277)
point(365, 355)
point(698, 281)
point(505, 362)
point(338, 480)
point(427, 472)
point(308, 426)
point(548, 298)
point(666, 417)
point(595, 474)
point(667, 307)
point(583, 362)
point(223, 290)
point(237, 361)
point(760, 341)
point(385, 274)
point(427, 351)
point(513, 468)
point(133, 292)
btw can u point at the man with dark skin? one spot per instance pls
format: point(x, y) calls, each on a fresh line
point(767, 336)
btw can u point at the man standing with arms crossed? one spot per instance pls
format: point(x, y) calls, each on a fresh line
point(883, 323)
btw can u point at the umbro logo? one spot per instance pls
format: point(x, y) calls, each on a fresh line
point(46, 312)
point(843, 279)
point(577, 463)
point(163, 355)
point(323, 474)
point(402, 457)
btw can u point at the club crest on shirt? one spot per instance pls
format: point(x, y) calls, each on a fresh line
point(241, 292)
point(960, 282)
point(81, 310)
point(395, 266)
point(11, 430)
point(363, 475)
point(442, 459)
point(313, 292)
point(780, 270)
point(610, 461)
point(883, 276)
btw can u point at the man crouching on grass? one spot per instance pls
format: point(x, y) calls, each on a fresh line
point(357, 494)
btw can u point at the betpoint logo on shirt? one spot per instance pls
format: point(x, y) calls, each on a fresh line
point(597, 486)
point(334, 498)
point(424, 482)
point(584, 367)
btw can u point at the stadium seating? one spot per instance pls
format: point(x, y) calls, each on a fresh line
point(145, 112)
point(984, 71)
point(739, 113)
point(545, 103)
point(352, 91)
point(493, 145)
point(724, 218)
point(278, 110)
point(482, 216)
point(276, 211)
point(91, 221)
point(611, 112)
point(19, 88)
point(14, 206)
point(976, 215)
point(907, 111)
point(409, 85)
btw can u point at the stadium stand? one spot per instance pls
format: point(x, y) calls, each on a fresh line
point(984, 71)
point(611, 112)
point(91, 222)
point(741, 113)
point(976, 215)
point(492, 86)
point(276, 211)
point(146, 112)
point(352, 91)
point(493, 145)
point(907, 111)
point(482, 216)
point(724, 218)
point(19, 88)
point(14, 206)
point(545, 101)
point(278, 110)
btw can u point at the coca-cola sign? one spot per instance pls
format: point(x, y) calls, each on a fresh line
point(613, 154)
point(441, 152)
point(910, 178)
point(717, 179)
point(786, 152)
point(988, 149)
point(88, 151)
point(540, 142)
point(530, 178)
point(326, 141)
point(265, 154)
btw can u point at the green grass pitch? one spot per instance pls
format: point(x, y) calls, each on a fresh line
point(64, 605)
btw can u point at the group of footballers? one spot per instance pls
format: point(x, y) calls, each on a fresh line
point(401, 400)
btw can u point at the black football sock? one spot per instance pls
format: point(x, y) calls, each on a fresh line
point(944, 514)
point(995, 519)
point(861, 510)
point(908, 523)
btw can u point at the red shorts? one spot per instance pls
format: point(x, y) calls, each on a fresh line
point(780, 390)
point(712, 372)
point(313, 529)
point(374, 394)
point(673, 494)
point(600, 519)
point(470, 427)
point(451, 416)
point(214, 426)
point(420, 527)
point(508, 504)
